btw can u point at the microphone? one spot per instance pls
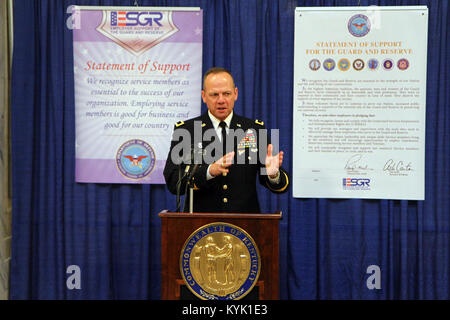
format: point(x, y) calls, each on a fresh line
point(194, 168)
point(187, 158)
point(191, 167)
point(195, 160)
point(186, 170)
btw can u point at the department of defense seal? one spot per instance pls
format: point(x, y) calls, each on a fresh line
point(359, 25)
point(220, 261)
point(135, 159)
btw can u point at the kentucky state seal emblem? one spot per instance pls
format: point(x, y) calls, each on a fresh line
point(220, 261)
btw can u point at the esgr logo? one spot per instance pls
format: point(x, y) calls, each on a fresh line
point(356, 183)
point(134, 18)
point(137, 31)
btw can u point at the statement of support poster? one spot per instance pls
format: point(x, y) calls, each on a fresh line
point(137, 72)
point(359, 102)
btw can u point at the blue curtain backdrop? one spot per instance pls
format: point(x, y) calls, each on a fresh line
point(112, 232)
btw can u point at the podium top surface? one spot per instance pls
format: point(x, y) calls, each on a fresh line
point(167, 214)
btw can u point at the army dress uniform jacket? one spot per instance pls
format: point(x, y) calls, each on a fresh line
point(235, 192)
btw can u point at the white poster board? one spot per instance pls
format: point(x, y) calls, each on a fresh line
point(359, 102)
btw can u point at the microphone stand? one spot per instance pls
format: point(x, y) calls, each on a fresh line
point(189, 172)
point(179, 183)
point(178, 190)
point(188, 158)
point(189, 184)
point(191, 200)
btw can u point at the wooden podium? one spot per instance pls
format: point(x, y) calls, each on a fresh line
point(177, 227)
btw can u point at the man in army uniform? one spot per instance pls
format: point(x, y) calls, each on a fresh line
point(226, 184)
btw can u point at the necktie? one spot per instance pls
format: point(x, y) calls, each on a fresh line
point(223, 125)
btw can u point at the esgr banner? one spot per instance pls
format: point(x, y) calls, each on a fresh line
point(137, 72)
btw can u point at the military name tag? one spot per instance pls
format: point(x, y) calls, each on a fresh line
point(220, 261)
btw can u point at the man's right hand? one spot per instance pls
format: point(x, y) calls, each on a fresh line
point(221, 166)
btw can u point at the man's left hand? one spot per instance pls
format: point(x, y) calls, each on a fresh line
point(273, 162)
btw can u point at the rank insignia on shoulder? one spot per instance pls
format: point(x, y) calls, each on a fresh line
point(179, 123)
point(261, 123)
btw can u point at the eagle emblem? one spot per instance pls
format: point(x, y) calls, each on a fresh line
point(359, 25)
